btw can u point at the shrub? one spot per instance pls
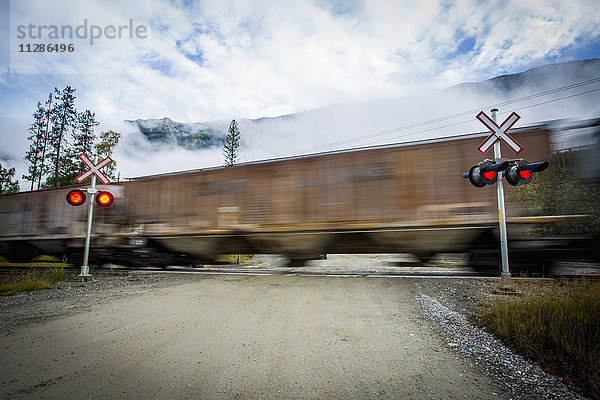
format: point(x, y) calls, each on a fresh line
point(34, 279)
point(558, 328)
point(24, 286)
point(232, 258)
point(45, 258)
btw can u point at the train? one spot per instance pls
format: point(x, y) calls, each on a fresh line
point(399, 198)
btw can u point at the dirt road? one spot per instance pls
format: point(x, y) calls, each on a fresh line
point(215, 337)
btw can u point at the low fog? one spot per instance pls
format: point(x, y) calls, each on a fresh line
point(552, 92)
point(430, 115)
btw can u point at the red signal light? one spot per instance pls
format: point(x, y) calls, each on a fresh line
point(105, 199)
point(76, 197)
point(525, 173)
point(521, 172)
point(489, 174)
point(485, 173)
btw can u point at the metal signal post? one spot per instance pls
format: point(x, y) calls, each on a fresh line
point(517, 172)
point(505, 274)
point(77, 197)
point(85, 268)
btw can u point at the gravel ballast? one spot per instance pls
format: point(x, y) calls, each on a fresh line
point(520, 377)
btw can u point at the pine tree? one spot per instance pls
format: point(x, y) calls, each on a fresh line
point(84, 137)
point(51, 153)
point(104, 148)
point(7, 185)
point(35, 153)
point(43, 155)
point(64, 117)
point(69, 167)
point(232, 143)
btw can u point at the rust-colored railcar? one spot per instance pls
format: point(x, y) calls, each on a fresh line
point(398, 198)
point(42, 222)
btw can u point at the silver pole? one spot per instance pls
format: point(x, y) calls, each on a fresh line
point(505, 275)
point(85, 268)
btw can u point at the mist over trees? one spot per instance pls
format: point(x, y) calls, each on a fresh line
point(58, 135)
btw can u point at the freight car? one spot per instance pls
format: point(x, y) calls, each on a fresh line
point(407, 198)
point(38, 222)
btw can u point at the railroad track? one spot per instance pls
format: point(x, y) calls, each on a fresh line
point(422, 272)
point(337, 266)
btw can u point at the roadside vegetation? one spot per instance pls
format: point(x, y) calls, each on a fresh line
point(33, 279)
point(555, 326)
point(561, 190)
point(237, 259)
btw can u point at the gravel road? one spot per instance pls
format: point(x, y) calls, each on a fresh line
point(223, 337)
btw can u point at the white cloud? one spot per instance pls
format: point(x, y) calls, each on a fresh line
point(223, 59)
point(258, 58)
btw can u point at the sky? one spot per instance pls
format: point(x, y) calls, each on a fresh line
point(217, 60)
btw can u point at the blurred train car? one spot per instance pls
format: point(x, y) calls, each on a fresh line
point(41, 222)
point(402, 198)
point(405, 198)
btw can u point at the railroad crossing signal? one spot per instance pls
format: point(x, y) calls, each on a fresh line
point(485, 173)
point(77, 197)
point(521, 172)
point(94, 169)
point(517, 172)
point(102, 199)
point(499, 132)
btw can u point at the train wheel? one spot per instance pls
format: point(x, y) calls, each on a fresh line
point(424, 258)
point(21, 252)
point(296, 262)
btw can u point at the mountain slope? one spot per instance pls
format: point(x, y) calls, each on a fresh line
point(191, 136)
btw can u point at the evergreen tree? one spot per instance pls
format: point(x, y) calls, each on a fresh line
point(7, 185)
point(51, 154)
point(230, 150)
point(84, 137)
point(43, 156)
point(38, 141)
point(232, 143)
point(104, 148)
point(64, 118)
point(68, 166)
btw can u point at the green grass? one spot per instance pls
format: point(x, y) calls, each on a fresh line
point(46, 258)
point(557, 327)
point(36, 264)
point(232, 258)
point(24, 286)
point(34, 279)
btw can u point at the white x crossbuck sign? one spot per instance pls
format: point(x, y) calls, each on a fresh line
point(499, 132)
point(94, 169)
